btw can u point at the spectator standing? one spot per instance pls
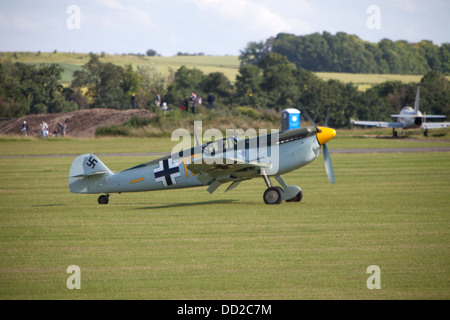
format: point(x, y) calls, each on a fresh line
point(193, 101)
point(133, 101)
point(158, 100)
point(25, 128)
point(211, 100)
point(62, 127)
point(44, 129)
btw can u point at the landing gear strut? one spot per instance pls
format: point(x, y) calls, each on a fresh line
point(275, 195)
point(394, 133)
point(291, 193)
point(103, 199)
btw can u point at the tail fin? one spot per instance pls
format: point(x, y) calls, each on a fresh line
point(416, 103)
point(85, 166)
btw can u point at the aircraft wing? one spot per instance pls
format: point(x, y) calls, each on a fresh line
point(378, 124)
point(425, 116)
point(217, 170)
point(435, 125)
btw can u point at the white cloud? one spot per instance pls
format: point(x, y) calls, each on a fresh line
point(129, 13)
point(111, 4)
point(408, 5)
point(253, 15)
point(25, 24)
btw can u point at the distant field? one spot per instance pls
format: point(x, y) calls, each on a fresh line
point(228, 65)
point(389, 210)
point(365, 81)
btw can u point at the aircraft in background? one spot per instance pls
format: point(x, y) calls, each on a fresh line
point(212, 164)
point(407, 119)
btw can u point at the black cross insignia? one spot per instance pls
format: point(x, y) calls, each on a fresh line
point(166, 172)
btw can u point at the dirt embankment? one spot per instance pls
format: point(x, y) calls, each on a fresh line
point(80, 124)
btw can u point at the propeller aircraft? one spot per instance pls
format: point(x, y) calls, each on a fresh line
point(408, 118)
point(230, 160)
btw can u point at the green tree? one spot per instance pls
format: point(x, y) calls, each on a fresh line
point(248, 85)
point(435, 94)
point(279, 81)
point(105, 83)
point(28, 89)
point(444, 57)
point(220, 85)
point(150, 82)
point(348, 53)
point(255, 52)
point(184, 83)
point(13, 101)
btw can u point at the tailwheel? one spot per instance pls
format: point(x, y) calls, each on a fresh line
point(103, 199)
point(273, 195)
point(297, 198)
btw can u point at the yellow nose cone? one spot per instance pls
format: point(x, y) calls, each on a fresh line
point(326, 135)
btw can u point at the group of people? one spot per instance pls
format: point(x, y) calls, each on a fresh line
point(189, 102)
point(45, 129)
point(197, 99)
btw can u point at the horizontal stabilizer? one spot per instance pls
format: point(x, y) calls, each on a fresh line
point(425, 116)
point(95, 173)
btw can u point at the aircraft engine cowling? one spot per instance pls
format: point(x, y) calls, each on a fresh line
point(418, 121)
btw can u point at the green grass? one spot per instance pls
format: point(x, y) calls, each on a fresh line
point(345, 139)
point(390, 210)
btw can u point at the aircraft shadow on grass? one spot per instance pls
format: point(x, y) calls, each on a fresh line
point(191, 204)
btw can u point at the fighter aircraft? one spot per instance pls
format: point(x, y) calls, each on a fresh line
point(408, 118)
point(230, 160)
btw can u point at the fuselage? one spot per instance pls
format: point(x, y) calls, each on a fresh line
point(409, 118)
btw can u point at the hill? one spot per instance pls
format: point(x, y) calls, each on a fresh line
point(228, 65)
point(80, 124)
point(348, 53)
point(70, 62)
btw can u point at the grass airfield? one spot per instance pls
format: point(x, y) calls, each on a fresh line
point(390, 210)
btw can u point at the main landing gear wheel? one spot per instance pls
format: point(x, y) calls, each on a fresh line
point(103, 199)
point(273, 195)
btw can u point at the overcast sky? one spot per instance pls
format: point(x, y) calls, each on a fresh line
point(214, 27)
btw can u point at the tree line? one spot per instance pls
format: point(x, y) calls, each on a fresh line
point(348, 53)
point(274, 82)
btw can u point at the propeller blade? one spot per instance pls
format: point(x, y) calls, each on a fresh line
point(328, 164)
point(325, 124)
point(310, 120)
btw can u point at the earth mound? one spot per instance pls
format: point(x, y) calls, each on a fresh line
point(80, 124)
